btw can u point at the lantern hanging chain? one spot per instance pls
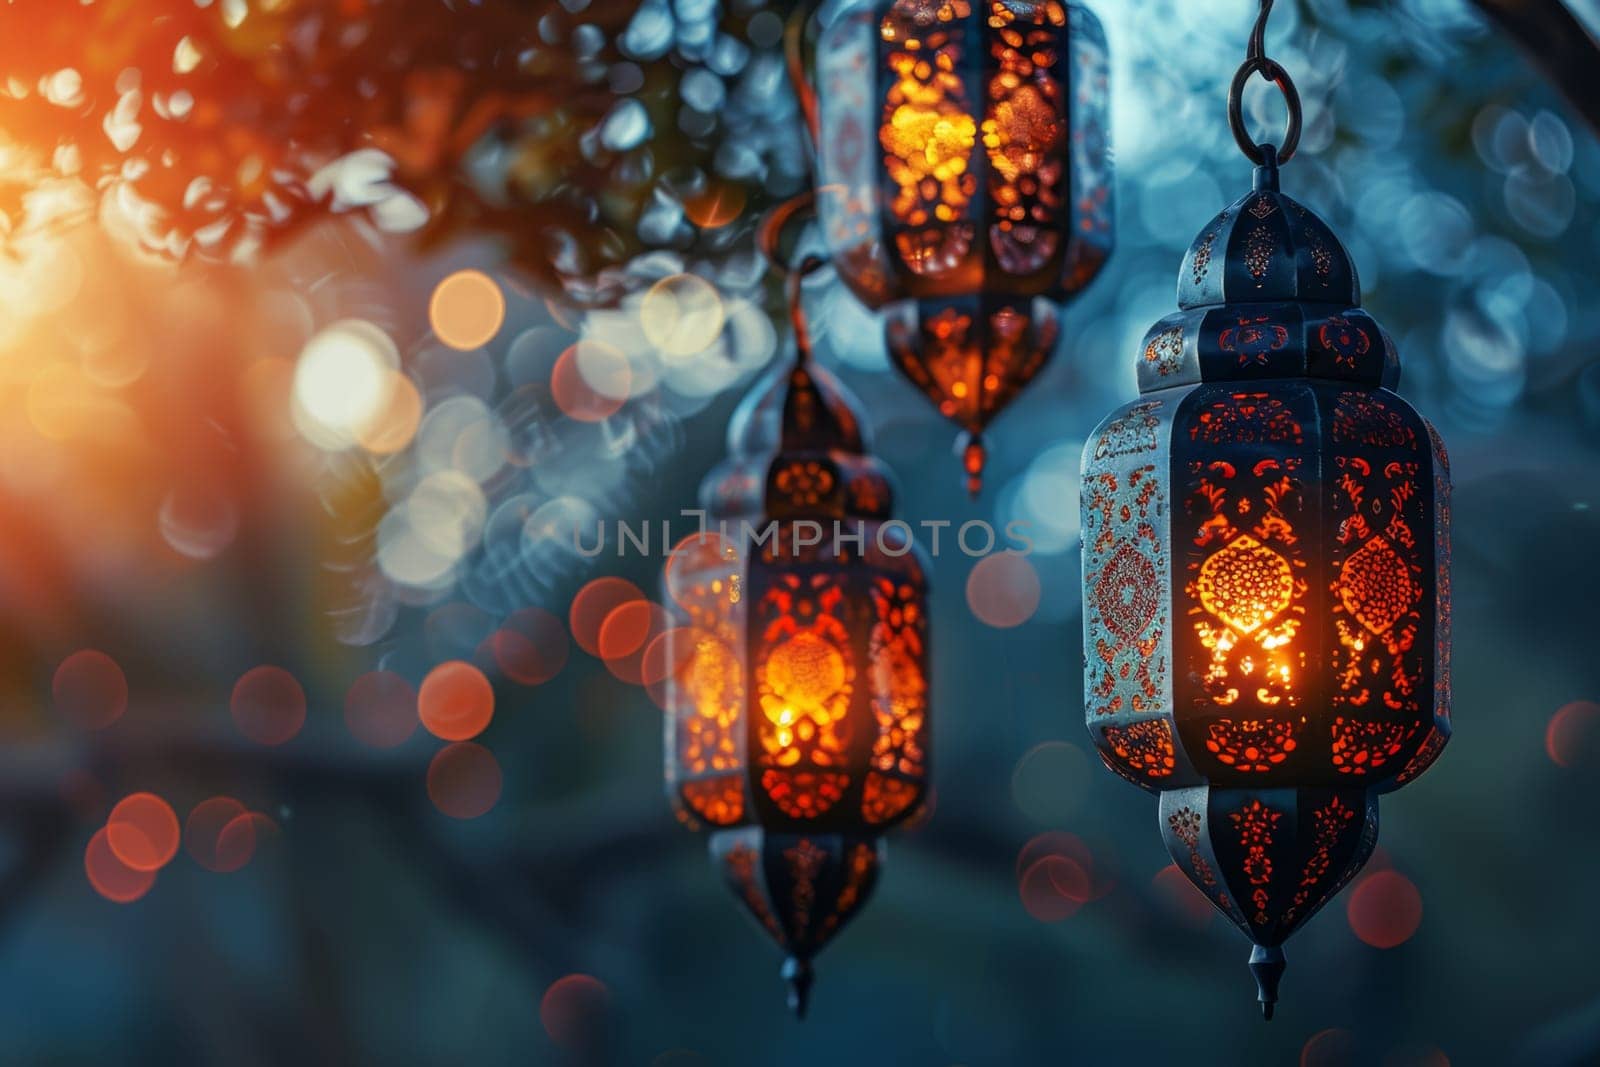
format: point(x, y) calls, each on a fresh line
point(769, 238)
point(1258, 62)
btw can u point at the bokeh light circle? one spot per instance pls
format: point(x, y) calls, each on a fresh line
point(1050, 780)
point(1053, 888)
point(268, 705)
point(1181, 898)
point(591, 381)
point(593, 604)
point(90, 690)
point(1003, 590)
point(464, 780)
point(455, 701)
point(1334, 1047)
point(380, 709)
point(205, 840)
point(109, 876)
point(142, 831)
point(682, 314)
point(1572, 738)
point(1385, 909)
point(626, 635)
point(467, 310)
point(531, 647)
point(574, 1010)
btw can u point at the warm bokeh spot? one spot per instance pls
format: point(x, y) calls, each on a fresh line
point(464, 780)
point(206, 840)
point(1335, 1047)
point(1054, 888)
point(1181, 898)
point(627, 634)
point(455, 702)
point(112, 878)
point(268, 705)
point(90, 690)
point(143, 832)
point(467, 310)
point(531, 647)
point(591, 381)
point(381, 709)
point(1573, 737)
point(1385, 909)
point(593, 604)
point(575, 1010)
point(1003, 590)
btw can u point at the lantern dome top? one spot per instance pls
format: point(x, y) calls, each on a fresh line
point(1267, 247)
point(797, 407)
point(798, 449)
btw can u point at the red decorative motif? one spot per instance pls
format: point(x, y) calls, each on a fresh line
point(805, 862)
point(1329, 825)
point(1124, 563)
point(1165, 351)
point(1360, 746)
point(1255, 823)
point(1253, 339)
point(1133, 432)
point(1361, 418)
point(1347, 341)
point(1246, 419)
point(1258, 253)
point(741, 861)
point(1254, 745)
point(1144, 747)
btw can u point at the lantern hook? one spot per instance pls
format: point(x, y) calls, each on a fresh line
point(1258, 62)
point(769, 237)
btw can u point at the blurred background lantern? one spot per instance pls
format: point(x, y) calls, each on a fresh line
point(797, 686)
point(1266, 568)
point(964, 169)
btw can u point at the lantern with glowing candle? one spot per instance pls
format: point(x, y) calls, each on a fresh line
point(797, 690)
point(966, 184)
point(1266, 573)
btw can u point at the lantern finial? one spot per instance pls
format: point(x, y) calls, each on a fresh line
point(1268, 965)
point(797, 972)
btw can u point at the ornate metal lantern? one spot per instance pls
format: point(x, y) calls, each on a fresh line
point(966, 183)
point(798, 709)
point(1266, 570)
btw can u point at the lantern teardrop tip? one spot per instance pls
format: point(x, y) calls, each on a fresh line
point(797, 972)
point(1268, 965)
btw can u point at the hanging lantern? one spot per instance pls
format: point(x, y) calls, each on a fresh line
point(798, 703)
point(965, 169)
point(1266, 569)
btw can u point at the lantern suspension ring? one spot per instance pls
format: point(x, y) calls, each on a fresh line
point(1258, 62)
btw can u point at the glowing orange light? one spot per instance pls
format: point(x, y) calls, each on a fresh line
point(392, 426)
point(574, 1010)
point(90, 690)
point(380, 709)
point(205, 840)
point(268, 705)
point(1385, 909)
point(455, 702)
point(464, 780)
point(1003, 590)
point(112, 878)
point(143, 832)
point(1246, 584)
point(1053, 889)
point(467, 310)
point(593, 604)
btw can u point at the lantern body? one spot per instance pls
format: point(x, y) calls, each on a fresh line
point(965, 178)
point(1266, 571)
point(797, 696)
